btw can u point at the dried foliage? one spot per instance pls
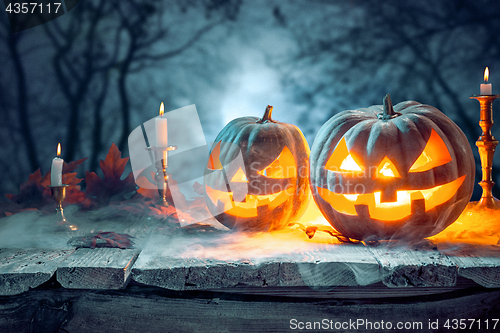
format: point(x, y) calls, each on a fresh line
point(102, 191)
point(74, 194)
point(310, 231)
point(103, 239)
point(36, 194)
point(118, 193)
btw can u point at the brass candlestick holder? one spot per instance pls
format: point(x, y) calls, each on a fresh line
point(59, 194)
point(486, 145)
point(161, 176)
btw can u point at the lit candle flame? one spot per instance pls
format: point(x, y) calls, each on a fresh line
point(162, 109)
point(58, 149)
point(486, 74)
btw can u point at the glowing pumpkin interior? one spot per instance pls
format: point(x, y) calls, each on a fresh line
point(407, 202)
point(283, 167)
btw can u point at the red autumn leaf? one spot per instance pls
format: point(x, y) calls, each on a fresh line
point(72, 166)
point(109, 239)
point(311, 231)
point(113, 166)
point(180, 209)
point(198, 228)
point(74, 194)
point(93, 182)
point(34, 192)
point(69, 177)
point(148, 190)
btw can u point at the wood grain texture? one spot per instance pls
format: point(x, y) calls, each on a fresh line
point(231, 260)
point(480, 263)
point(406, 267)
point(315, 266)
point(373, 291)
point(21, 270)
point(179, 274)
point(147, 309)
point(100, 268)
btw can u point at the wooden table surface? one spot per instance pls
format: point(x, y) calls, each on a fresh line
point(193, 261)
point(225, 281)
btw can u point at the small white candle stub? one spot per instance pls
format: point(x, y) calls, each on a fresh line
point(485, 87)
point(56, 169)
point(161, 129)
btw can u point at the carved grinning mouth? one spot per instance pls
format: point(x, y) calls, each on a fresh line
point(247, 207)
point(241, 204)
point(391, 211)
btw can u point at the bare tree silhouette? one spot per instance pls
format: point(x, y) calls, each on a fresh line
point(118, 36)
point(97, 53)
point(22, 92)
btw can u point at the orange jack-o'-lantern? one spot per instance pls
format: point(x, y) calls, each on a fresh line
point(402, 172)
point(257, 174)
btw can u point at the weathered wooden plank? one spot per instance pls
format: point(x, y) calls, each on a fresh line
point(21, 270)
point(172, 273)
point(414, 267)
point(147, 309)
point(100, 268)
point(202, 263)
point(104, 267)
point(480, 263)
point(337, 265)
point(373, 291)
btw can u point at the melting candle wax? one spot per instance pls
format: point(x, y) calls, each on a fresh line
point(485, 87)
point(56, 169)
point(161, 129)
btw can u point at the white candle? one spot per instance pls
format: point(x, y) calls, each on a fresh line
point(161, 129)
point(56, 169)
point(486, 87)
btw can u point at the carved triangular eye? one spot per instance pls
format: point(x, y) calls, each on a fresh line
point(239, 177)
point(341, 160)
point(282, 167)
point(435, 153)
point(214, 158)
point(387, 169)
point(349, 164)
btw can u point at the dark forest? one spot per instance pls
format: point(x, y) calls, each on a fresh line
point(89, 77)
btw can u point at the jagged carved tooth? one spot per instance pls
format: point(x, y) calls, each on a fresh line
point(417, 206)
point(362, 211)
point(389, 195)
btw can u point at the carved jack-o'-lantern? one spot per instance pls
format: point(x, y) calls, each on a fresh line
point(391, 172)
point(257, 174)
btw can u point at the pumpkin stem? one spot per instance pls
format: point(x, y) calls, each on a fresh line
point(267, 116)
point(389, 112)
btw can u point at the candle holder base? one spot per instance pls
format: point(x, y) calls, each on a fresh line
point(59, 194)
point(486, 145)
point(163, 191)
point(489, 203)
point(161, 176)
